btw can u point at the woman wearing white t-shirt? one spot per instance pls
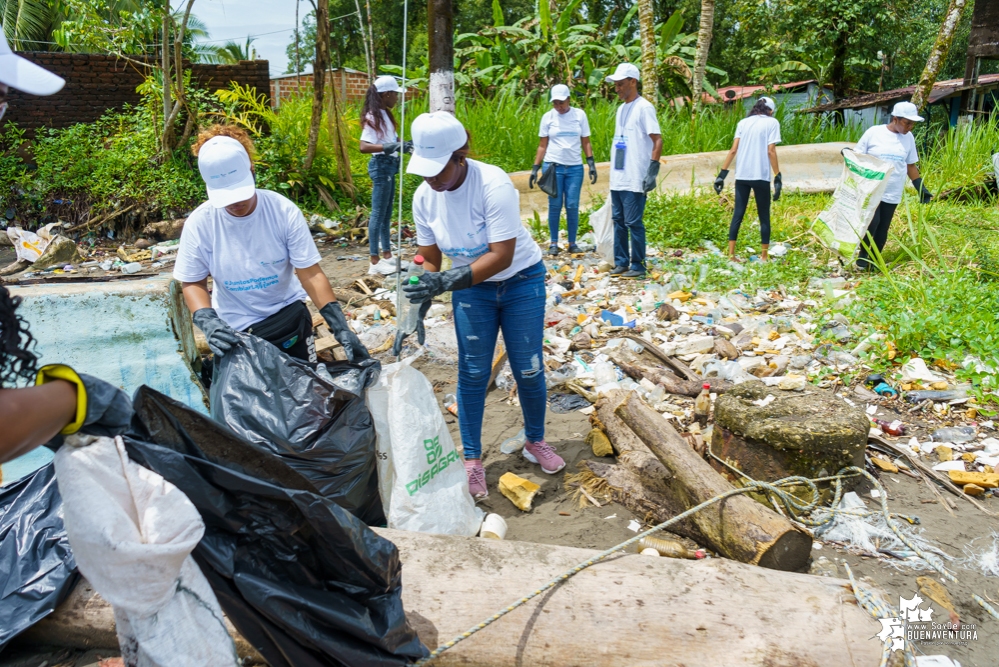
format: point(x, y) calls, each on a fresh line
point(380, 139)
point(256, 246)
point(756, 139)
point(893, 143)
point(565, 135)
point(470, 211)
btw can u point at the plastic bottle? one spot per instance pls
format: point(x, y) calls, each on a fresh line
point(514, 444)
point(411, 311)
point(131, 267)
point(895, 428)
point(451, 404)
point(955, 434)
point(670, 548)
point(603, 373)
point(702, 405)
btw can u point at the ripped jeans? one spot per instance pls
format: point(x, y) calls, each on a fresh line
point(517, 306)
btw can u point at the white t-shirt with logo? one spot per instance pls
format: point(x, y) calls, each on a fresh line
point(484, 210)
point(389, 134)
point(635, 121)
point(564, 132)
point(251, 260)
point(755, 134)
point(899, 149)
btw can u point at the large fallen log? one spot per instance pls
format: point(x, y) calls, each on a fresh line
point(737, 527)
point(631, 451)
point(629, 610)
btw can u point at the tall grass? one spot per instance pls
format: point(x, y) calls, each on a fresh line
point(961, 157)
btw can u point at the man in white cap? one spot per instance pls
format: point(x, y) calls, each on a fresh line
point(635, 152)
point(63, 401)
point(564, 138)
point(893, 143)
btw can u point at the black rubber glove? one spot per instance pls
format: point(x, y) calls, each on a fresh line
point(407, 147)
point(436, 283)
point(391, 147)
point(778, 185)
point(101, 408)
point(534, 175)
point(220, 335)
point(924, 195)
point(593, 169)
point(335, 320)
point(649, 183)
point(720, 181)
point(421, 332)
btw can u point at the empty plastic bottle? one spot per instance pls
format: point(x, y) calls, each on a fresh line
point(514, 444)
point(670, 548)
point(410, 312)
point(702, 405)
point(954, 434)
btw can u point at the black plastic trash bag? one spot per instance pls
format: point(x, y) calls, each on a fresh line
point(306, 582)
point(316, 422)
point(37, 566)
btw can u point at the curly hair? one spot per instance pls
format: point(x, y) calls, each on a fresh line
point(220, 130)
point(16, 361)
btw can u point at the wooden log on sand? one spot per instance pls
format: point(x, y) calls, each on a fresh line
point(738, 527)
point(670, 382)
point(629, 610)
point(632, 453)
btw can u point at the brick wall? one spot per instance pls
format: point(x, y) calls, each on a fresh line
point(96, 83)
point(351, 85)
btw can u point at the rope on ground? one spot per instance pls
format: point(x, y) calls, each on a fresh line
point(878, 609)
point(986, 606)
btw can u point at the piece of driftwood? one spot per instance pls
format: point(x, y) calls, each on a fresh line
point(670, 382)
point(657, 352)
point(628, 610)
point(738, 527)
point(631, 451)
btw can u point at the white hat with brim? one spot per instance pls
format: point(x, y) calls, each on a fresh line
point(435, 137)
point(560, 92)
point(908, 111)
point(25, 75)
point(624, 71)
point(225, 167)
point(769, 102)
point(388, 84)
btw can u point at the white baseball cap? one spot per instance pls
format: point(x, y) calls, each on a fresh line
point(560, 92)
point(25, 75)
point(386, 84)
point(906, 110)
point(624, 71)
point(225, 167)
point(435, 137)
point(769, 102)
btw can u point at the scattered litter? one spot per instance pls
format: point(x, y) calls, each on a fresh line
point(518, 490)
point(514, 444)
point(634, 526)
point(565, 403)
point(915, 370)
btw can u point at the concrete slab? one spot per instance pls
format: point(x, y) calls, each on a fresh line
point(804, 167)
point(128, 332)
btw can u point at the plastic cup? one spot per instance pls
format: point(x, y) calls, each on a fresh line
point(493, 528)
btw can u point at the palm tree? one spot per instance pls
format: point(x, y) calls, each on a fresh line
point(27, 23)
point(703, 46)
point(229, 53)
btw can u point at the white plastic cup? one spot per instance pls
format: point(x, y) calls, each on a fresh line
point(493, 528)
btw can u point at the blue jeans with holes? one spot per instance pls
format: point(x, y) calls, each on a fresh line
point(627, 210)
point(517, 306)
point(570, 182)
point(382, 169)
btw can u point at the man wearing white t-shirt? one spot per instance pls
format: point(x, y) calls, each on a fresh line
point(635, 153)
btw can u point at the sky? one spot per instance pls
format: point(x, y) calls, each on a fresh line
point(235, 19)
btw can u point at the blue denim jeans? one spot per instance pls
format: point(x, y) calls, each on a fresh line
point(627, 209)
point(570, 182)
point(382, 169)
point(517, 306)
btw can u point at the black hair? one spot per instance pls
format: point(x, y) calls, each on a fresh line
point(16, 361)
point(761, 108)
point(371, 114)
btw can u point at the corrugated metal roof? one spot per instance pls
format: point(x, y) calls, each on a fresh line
point(941, 89)
point(742, 92)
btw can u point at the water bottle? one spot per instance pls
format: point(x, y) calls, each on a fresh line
point(410, 312)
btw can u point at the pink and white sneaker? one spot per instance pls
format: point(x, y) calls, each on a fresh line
point(543, 453)
point(476, 479)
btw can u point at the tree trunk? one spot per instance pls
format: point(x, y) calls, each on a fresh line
point(837, 71)
point(632, 454)
point(626, 610)
point(703, 46)
point(319, 67)
point(169, 139)
point(938, 54)
point(738, 527)
point(364, 37)
point(647, 29)
point(165, 66)
point(338, 135)
point(440, 23)
point(371, 44)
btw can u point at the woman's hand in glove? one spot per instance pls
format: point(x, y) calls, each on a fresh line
point(436, 283)
point(220, 335)
point(335, 320)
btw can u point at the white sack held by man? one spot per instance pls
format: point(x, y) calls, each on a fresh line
point(132, 533)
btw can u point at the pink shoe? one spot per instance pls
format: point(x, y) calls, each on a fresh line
point(476, 479)
point(543, 453)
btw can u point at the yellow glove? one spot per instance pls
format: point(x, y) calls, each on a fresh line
point(63, 372)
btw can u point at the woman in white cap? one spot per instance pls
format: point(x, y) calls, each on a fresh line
point(756, 139)
point(256, 246)
point(380, 139)
point(565, 138)
point(62, 401)
point(470, 211)
point(893, 143)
